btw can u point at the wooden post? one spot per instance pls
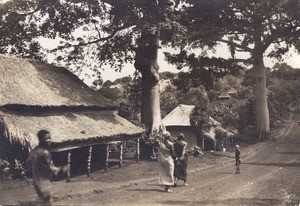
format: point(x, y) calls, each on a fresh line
point(89, 161)
point(138, 150)
point(121, 154)
point(69, 166)
point(106, 157)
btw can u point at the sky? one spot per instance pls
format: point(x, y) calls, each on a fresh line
point(290, 58)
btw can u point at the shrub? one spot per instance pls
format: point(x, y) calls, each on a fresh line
point(14, 169)
point(195, 151)
point(4, 168)
point(19, 171)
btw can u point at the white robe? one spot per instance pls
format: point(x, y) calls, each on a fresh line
point(166, 163)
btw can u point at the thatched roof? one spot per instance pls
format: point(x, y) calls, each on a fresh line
point(35, 96)
point(180, 116)
point(231, 91)
point(28, 82)
point(68, 129)
point(224, 95)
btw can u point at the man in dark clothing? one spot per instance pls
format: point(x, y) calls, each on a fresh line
point(181, 160)
point(42, 167)
point(237, 159)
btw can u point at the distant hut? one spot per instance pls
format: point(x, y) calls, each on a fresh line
point(35, 95)
point(178, 121)
point(232, 91)
point(224, 96)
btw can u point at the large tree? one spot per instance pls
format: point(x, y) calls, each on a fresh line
point(258, 28)
point(94, 33)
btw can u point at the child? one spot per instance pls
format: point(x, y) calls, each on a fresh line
point(237, 159)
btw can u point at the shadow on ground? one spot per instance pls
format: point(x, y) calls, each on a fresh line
point(147, 190)
point(295, 153)
point(274, 164)
point(238, 201)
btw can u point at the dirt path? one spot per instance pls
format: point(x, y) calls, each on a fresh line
point(269, 176)
point(211, 177)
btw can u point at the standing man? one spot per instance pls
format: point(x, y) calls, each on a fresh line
point(237, 159)
point(42, 167)
point(181, 159)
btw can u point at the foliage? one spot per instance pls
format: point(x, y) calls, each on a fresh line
point(169, 100)
point(282, 98)
point(4, 168)
point(226, 112)
point(91, 33)
point(195, 151)
point(172, 97)
point(130, 108)
point(256, 27)
point(13, 169)
point(246, 114)
point(285, 71)
point(199, 117)
point(222, 137)
point(113, 94)
point(19, 170)
point(203, 70)
point(152, 139)
point(241, 25)
point(94, 34)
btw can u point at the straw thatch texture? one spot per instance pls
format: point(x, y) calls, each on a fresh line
point(25, 82)
point(180, 116)
point(69, 129)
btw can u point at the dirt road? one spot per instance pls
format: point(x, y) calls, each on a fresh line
point(269, 176)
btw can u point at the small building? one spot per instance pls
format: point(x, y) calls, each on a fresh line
point(178, 121)
point(224, 96)
point(82, 123)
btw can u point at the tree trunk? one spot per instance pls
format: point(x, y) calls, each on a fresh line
point(260, 93)
point(146, 63)
point(150, 105)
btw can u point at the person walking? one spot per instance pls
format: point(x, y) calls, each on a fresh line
point(41, 165)
point(181, 159)
point(237, 159)
point(166, 162)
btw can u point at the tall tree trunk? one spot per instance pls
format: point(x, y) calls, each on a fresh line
point(146, 63)
point(260, 93)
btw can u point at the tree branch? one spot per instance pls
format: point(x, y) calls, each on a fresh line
point(246, 61)
point(93, 42)
point(276, 34)
point(244, 48)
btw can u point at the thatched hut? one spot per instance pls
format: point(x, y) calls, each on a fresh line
point(35, 95)
point(224, 96)
point(178, 121)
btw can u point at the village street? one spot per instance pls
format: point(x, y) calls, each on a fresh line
point(269, 176)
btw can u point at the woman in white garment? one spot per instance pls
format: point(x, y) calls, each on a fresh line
point(166, 162)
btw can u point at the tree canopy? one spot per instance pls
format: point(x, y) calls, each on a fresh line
point(91, 33)
point(256, 27)
point(95, 33)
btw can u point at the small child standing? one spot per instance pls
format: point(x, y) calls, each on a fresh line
point(237, 159)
